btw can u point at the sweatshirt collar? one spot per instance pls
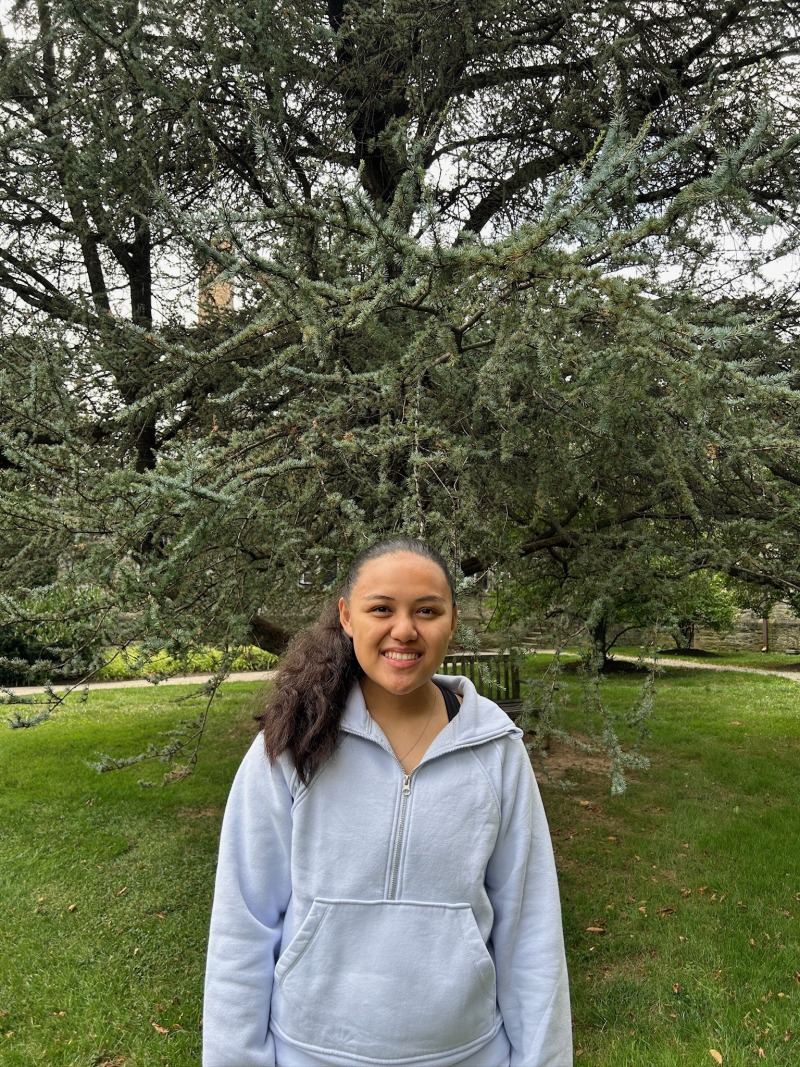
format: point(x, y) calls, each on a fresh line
point(478, 720)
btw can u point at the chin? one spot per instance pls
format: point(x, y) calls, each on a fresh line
point(399, 686)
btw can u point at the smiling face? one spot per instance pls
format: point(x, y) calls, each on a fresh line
point(400, 615)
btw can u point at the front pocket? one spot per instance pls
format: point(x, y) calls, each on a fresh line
point(386, 980)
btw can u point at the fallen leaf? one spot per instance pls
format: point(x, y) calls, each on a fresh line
point(122, 891)
point(595, 930)
point(160, 1029)
point(666, 911)
point(715, 1056)
point(109, 1059)
point(72, 907)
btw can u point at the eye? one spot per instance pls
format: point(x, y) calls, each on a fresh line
point(379, 609)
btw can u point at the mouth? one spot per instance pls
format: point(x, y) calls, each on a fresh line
point(401, 657)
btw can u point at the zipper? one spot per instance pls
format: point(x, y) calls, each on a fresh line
point(398, 841)
point(401, 823)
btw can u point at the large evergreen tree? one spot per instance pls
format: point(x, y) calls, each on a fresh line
point(501, 275)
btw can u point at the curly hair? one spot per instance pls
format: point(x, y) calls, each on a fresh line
point(304, 708)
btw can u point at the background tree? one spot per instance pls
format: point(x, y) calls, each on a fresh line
point(501, 278)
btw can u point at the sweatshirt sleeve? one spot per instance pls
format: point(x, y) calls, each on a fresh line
point(527, 936)
point(251, 895)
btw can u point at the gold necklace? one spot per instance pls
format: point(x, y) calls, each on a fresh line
point(424, 728)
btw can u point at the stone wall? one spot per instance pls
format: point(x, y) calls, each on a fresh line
point(747, 636)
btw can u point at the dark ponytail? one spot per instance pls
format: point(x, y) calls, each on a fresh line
point(306, 703)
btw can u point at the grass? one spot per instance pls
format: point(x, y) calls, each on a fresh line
point(681, 898)
point(106, 886)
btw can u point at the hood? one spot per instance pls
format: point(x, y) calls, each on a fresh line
point(479, 719)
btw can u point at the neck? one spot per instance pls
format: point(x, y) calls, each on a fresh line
point(383, 704)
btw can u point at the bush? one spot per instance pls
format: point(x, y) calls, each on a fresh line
point(52, 634)
point(134, 662)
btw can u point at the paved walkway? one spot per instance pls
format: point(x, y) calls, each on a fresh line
point(132, 683)
point(697, 664)
point(669, 661)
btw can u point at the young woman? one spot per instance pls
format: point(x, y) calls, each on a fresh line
point(386, 892)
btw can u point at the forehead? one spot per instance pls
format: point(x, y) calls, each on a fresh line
point(402, 572)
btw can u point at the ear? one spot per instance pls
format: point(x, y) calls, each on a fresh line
point(344, 617)
point(454, 622)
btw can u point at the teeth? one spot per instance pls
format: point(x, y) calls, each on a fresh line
point(402, 655)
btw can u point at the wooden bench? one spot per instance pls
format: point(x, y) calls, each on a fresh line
point(493, 674)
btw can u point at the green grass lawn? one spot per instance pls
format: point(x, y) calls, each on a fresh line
point(106, 886)
point(681, 898)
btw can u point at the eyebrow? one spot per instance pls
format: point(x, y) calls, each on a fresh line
point(420, 600)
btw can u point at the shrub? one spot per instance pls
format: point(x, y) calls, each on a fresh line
point(52, 633)
point(134, 662)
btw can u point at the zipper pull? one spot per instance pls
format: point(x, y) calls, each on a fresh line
point(406, 784)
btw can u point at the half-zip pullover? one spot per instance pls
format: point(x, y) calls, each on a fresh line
point(383, 918)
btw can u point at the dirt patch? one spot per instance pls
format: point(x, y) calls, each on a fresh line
point(562, 761)
point(199, 813)
point(613, 665)
point(697, 653)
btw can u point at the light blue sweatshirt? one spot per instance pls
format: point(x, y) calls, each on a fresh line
point(377, 918)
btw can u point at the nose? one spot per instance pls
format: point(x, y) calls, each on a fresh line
point(404, 629)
